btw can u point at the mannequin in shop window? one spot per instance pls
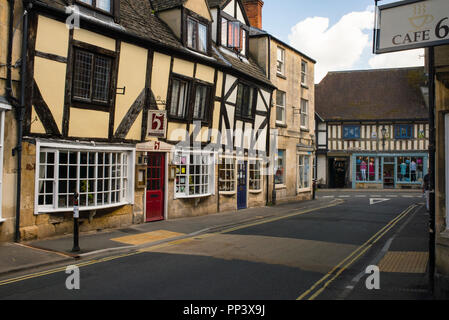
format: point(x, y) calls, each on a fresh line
point(371, 170)
point(363, 170)
point(403, 167)
point(413, 170)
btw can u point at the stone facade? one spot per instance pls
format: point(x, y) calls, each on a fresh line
point(441, 180)
point(9, 174)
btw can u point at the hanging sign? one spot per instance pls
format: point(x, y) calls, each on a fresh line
point(411, 24)
point(157, 123)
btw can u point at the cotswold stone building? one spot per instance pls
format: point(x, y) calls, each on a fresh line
point(372, 129)
point(292, 115)
point(441, 58)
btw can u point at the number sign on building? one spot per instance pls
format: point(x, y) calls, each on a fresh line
point(157, 123)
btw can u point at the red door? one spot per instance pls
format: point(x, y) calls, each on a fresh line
point(155, 187)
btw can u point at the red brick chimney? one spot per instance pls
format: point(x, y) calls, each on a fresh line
point(253, 10)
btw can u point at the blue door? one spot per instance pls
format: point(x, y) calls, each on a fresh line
point(241, 185)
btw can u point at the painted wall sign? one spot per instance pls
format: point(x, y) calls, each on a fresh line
point(157, 123)
point(411, 24)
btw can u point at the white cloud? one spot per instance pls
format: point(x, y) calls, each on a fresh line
point(398, 59)
point(342, 45)
point(337, 47)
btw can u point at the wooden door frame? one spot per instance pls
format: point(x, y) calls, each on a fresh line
point(165, 214)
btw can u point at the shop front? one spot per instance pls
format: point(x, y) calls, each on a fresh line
point(384, 171)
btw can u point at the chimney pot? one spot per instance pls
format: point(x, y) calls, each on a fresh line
point(253, 10)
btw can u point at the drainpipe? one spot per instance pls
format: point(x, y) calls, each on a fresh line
point(20, 113)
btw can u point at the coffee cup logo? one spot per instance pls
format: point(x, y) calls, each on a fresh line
point(420, 19)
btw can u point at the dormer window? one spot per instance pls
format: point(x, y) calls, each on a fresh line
point(104, 5)
point(197, 35)
point(233, 36)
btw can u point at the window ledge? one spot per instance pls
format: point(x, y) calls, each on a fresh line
point(304, 129)
point(255, 191)
point(304, 86)
point(193, 197)
point(303, 190)
point(280, 75)
point(228, 193)
point(281, 124)
point(2, 220)
point(82, 209)
point(280, 186)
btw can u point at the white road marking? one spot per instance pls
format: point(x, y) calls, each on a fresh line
point(377, 200)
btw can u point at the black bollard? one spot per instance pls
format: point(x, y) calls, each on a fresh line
point(76, 215)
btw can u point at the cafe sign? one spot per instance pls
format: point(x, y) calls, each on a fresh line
point(411, 24)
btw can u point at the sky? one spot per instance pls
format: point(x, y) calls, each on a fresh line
point(337, 34)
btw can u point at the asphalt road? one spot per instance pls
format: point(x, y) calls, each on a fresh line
point(316, 255)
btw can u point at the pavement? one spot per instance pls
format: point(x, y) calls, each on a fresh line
point(18, 257)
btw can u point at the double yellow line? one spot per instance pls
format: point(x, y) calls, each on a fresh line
point(61, 269)
point(322, 284)
point(171, 243)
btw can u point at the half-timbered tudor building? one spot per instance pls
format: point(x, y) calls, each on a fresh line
point(372, 129)
point(292, 117)
point(130, 104)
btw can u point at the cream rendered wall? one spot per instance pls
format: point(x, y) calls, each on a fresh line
point(52, 88)
point(230, 8)
point(183, 67)
point(94, 39)
point(88, 123)
point(52, 37)
point(132, 75)
point(200, 7)
point(160, 76)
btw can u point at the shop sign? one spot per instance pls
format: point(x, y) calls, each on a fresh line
point(411, 24)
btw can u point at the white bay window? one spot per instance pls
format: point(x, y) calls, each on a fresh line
point(101, 177)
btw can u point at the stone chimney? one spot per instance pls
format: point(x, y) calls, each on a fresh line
point(253, 10)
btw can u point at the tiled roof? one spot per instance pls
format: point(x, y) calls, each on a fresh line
point(160, 5)
point(383, 94)
point(136, 18)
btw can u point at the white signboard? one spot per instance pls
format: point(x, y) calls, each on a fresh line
point(411, 24)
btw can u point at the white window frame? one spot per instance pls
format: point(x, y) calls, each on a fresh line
point(179, 154)
point(3, 109)
point(43, 146)
point(306, 176)
point(281, 106)
point(305, 114)
point(280, 61)
point(250, 163)
point(304, 71)
point(232, 162)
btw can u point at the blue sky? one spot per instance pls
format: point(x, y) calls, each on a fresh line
point(336, 43)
